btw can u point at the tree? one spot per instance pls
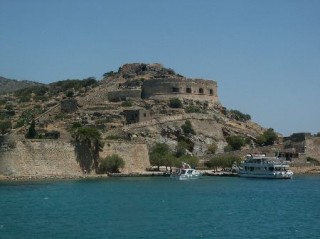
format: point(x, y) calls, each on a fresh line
point(158, 153)
point(187, 128)
point(267, 138)
point(270, 136)
point(111, 163)
point(223, 162)
point(88, 144)
point(181, 148)
point(169, 160)
point(191, 160)
point(5, 126)
point(32, 133)
point(236, 142)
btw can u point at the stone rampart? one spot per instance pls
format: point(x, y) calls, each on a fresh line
point(135, 155)
point(195, 89)
point(40, 158)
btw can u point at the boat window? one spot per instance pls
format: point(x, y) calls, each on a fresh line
point(189, 171)
point(183, 171)
point(271, 169)
point(251, 168)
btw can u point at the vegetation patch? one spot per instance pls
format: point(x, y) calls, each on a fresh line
point(223, 162)
point(111, 164)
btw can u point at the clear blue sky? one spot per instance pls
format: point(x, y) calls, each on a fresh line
point(265, 55)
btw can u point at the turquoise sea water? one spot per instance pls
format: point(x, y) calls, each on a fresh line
point(157, 207)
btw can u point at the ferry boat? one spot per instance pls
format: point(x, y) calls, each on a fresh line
point(185, 173)
point(260, 166)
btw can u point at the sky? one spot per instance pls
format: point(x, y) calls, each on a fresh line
point(264, 55)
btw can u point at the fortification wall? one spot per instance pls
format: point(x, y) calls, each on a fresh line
point(39, 158)
point(135, 155)
point(195, 89)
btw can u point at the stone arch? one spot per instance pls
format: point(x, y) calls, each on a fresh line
point(201, 91)
point(211, 91)
point(188, 90)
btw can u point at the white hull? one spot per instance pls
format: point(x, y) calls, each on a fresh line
point(265, 167)
point(185, 174)
point(185, 177)
point(278, 175)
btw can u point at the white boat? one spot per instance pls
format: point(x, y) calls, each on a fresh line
point(185, 173)
point(260, 166)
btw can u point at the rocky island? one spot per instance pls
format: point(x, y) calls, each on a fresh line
point(72, 128)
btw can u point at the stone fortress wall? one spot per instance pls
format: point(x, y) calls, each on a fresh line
point(56, 158)
point(193, 89)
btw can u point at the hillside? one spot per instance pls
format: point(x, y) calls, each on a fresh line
point(137, 107)
point(9, 85)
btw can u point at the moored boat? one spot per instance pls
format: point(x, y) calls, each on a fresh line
point(185, 173)
point(260, 166)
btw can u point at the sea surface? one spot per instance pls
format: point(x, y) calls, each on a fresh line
point(158, 207)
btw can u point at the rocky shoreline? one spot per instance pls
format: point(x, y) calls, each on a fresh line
point(296, 170)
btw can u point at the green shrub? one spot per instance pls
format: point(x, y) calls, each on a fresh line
point(236, 142)
point(76, 125)
point(109, 73)
point(175, 103)
point(113, 137)
point(27, 116)
point(126, 103)
point(193, 109)
point(111, 164)
point(70, 93)
point(212, 148)
point(240, 116)
point(5, 126)
point(227, 148)
point(187, 128)
point(267, 138)
point(25, 98)
point(9, 107)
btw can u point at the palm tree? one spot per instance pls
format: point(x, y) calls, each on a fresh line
point(88, 144)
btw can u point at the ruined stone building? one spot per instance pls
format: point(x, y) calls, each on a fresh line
point(193, 89)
